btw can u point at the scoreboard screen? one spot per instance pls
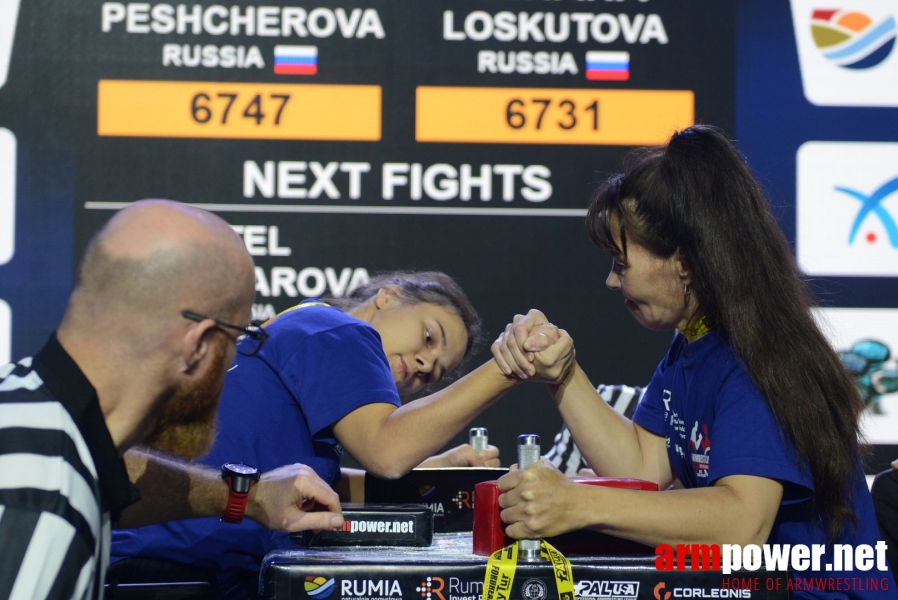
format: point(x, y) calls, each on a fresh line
point(349, 137)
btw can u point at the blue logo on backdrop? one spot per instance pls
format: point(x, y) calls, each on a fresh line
point(873, 203)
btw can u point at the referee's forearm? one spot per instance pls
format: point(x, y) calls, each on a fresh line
point(171, 490)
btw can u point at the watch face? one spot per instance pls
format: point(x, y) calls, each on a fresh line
point(240, 468)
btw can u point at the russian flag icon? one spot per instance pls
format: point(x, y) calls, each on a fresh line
point(295, 60)
point(607, 66)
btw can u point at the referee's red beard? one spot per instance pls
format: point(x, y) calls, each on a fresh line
point(187, 422)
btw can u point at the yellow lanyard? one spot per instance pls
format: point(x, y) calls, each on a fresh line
point(500, 569)
point(693, 331)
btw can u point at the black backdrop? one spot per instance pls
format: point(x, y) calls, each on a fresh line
point(507, 258)
point(738, 59)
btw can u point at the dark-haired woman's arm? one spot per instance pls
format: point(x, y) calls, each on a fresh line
point(540, 501)
point(565, 454)
point(612, 444)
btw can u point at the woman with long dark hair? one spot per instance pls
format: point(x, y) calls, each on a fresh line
point(751, 409)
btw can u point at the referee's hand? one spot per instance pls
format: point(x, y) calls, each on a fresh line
point(294, 498)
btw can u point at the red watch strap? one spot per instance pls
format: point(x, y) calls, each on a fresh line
point(236, 504)
point(235, 508)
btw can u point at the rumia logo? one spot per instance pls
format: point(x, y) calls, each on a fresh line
point(318, 587)
point(851, 39)
point(846, 52)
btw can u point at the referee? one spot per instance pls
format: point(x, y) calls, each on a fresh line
point(126, 366)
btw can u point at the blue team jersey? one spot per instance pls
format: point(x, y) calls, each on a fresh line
point(717, 423)
point(278, 407)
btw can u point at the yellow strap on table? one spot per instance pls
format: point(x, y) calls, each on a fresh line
point(501, 566)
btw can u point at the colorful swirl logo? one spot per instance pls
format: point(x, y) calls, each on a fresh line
point(852, 39)
point(319, 587)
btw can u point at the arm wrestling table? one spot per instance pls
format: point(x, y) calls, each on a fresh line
point(448, 570)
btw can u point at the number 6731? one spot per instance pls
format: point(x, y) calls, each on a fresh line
point(549, 112)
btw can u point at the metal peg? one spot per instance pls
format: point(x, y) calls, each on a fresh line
point(479, 438)
point(528, 453)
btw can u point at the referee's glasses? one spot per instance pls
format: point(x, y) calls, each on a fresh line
point(251, 337)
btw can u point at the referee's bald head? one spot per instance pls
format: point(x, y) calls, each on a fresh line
point(157, 257)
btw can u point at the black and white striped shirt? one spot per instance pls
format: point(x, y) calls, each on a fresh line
point(565, 455)
point(61, 480)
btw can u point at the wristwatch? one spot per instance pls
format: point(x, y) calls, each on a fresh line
point(240, 479)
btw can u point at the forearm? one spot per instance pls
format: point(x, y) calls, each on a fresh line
point(289, 498)
point(171, 490)
point(408, 435)
point(711, 515)
point(607, 440)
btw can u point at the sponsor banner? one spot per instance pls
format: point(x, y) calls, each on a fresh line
point(783, 558)
point(872, 334)
point(370, 589)
point(7, 195)
point(374, 526)
point(663, 590)
point(846, 208)
point(448, 571)
point(450, 588)
point(449, 493)
point(602, 589)
point(9, 13)
point(846, 51)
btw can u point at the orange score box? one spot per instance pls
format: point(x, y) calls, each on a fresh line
point(191, 109)
point(551, 116)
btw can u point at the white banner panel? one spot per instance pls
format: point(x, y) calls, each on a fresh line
point(844, 327)
point(5, 333)
point(9, 12)
point(846, 208)
point(7, 195)
point(847, 52)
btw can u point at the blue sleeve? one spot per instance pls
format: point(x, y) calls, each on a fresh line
point(749, 441)
point(651, 413)
point(338, 370)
